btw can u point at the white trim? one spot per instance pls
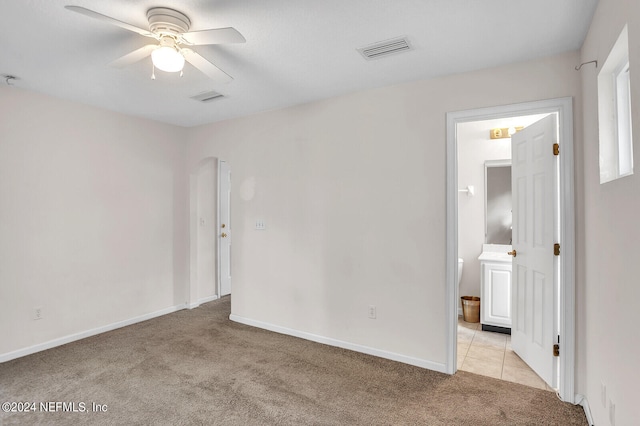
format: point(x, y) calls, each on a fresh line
point(564, 108)
point(208, 299)
point(192, 284)
point(219, 227)
point(451, 247)
point(341, 344)
point(567, 239)
point(582, 400)
point(202, 301)
point(87, 333)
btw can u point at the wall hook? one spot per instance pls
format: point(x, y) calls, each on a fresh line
point(470, 190)
point(9, 79)
point(585, 63)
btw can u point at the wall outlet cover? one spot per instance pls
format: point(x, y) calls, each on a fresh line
point(372, 311)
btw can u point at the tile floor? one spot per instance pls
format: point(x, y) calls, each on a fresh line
point(489, 354)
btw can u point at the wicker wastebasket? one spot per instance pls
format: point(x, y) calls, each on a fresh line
point(471, 308)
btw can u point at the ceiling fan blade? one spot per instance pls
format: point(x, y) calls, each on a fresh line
point(215, 36)
point(210, 70)
point(110, 20)
point(133, 57)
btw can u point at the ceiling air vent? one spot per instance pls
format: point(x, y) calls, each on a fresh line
point(385, 48)
point(207, 96)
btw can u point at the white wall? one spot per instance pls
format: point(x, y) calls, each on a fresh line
point(609, 233)
point(93, 224)
point(352, 190)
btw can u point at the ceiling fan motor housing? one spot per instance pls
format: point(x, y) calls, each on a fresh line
point(164, 21)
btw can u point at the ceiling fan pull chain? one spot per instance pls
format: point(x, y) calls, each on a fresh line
point(153, 71)
point(181, 73)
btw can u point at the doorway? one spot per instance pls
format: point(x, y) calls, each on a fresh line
point(210, 232)
point(565, 278)
point(485, 219)
point(224, 227)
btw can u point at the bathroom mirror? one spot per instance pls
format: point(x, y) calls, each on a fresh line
point(497, 202)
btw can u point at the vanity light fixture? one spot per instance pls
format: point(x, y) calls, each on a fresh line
point(501, 133)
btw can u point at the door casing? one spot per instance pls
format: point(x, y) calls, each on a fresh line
point(564, 108)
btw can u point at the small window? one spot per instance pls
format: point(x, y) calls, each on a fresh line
point(623, 112)
point(614, 113)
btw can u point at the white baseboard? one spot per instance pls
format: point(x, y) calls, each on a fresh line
point(208, 299)
point(430, 365)
point(582, 400)
point(88, 333)
point(203, 300)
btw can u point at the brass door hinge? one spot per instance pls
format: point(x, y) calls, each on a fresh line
point(556, 149)
point(556, 249)
point(556, 349)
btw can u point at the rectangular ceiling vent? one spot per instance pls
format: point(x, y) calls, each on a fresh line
point(208, 96)
point(385, 48)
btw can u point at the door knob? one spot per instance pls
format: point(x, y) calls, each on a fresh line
point(223, 225)
point(223, 235)
point(512, 252)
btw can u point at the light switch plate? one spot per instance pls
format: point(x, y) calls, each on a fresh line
point(260, 225)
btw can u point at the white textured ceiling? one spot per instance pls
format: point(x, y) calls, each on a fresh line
point(297, 51)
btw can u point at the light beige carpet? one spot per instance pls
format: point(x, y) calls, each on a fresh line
point(197, 367)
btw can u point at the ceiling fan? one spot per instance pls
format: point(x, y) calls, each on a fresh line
point(171, 30)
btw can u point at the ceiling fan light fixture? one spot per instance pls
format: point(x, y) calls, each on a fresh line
point(168, 59)
point(171, 29)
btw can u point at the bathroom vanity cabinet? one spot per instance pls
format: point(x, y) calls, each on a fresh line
point(495, 306)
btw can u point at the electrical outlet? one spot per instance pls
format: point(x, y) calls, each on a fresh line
point(612, 413)
point(603, 394)
point(372, 311)
point(37, 313)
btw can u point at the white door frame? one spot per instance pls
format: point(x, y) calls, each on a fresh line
point(193, 298)
point(218, 227)
point(564, 108)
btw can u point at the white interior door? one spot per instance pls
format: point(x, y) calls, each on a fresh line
point(534, 192)
point(224, 234)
